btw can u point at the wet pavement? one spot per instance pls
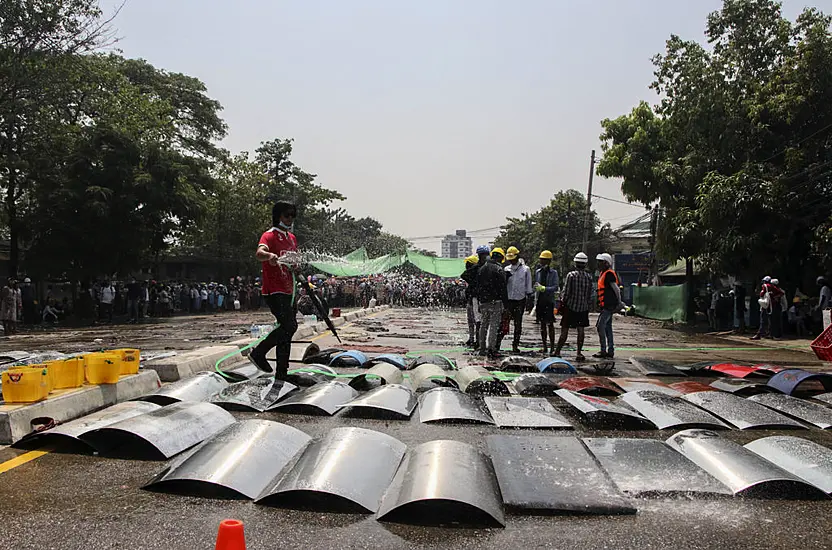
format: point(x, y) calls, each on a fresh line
point(67, 501)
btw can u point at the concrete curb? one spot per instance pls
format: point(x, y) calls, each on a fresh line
point(15, 420)
point(187, 364)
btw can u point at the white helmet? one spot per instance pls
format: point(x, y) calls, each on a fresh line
point(580, 258)
point(775, 282)
point(604, 257)
point(766, 279)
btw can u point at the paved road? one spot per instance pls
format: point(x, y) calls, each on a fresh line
point(67, 501)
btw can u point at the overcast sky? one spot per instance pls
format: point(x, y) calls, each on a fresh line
point(429, 115)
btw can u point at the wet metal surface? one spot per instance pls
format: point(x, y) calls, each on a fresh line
point(398, 361)
point(303, 377)
point(476, 380)
point(347, 470)
point(556, 365)
point(442, 482)
point(650, 467)
point(812, 413)
point(196, 388)
point(351, 358)
point(525, 412)
point(737, 371)
point(322, 398)
point(429, 375)
point(302, 350)
point(744, 472)
point(805, 459)
point(238, 462)
point(741, 413)
point(825, 397)
point(597, 410)
point(691, 387)
point(655, 367)
point(544, 474)
point(385, 373)
point(591, 385)
point(390, 398)
point(253, 395)
point(161, 433)
point(635, 384)
point(439, 360)
point(790, 380)
point(741, 387)
point(450, 404)
point(516, 363)
point(535, 384)
point(666, 411)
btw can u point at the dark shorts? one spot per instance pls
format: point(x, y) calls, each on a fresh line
point(545, 312)
point(574, 319)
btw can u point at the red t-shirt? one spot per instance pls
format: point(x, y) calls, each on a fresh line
point(277, 279)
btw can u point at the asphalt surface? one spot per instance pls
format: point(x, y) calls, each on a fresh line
point(71, 501)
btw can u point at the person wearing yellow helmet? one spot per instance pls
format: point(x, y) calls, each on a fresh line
point(471, 302)
point(519, 291)
point(491, 292)
point(546, 284)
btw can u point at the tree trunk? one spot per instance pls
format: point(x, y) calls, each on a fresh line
point(14, 231)
point(690, 315)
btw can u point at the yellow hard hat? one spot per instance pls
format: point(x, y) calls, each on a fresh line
point(546, 255)
point(499, 251)
point(512, 253)
point(472, 259)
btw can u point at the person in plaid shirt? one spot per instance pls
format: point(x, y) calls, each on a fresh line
point(576, 300)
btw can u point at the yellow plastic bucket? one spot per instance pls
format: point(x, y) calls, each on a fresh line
point(102, 368)
point(25, 384)
point(129, 360)
point(50, 375)
point(67, 373)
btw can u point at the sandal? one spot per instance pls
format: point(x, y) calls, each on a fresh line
point(579, 357)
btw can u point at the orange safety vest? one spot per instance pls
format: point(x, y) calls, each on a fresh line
point(601, 285)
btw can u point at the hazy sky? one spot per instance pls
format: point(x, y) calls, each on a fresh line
point(429, 115)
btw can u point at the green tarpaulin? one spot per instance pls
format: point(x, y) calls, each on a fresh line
point(356, 264)
point(663, 303)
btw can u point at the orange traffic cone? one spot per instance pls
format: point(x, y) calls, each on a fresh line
point(231, 535)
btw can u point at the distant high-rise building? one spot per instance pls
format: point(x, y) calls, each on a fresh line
point(457, 246)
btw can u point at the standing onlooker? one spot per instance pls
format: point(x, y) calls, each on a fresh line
point(769, 296)
point(546, 285)
point(576, 302)
point(107, 297)
point(491, 291)
point(739, 306)
point(8, 307)
point(134, 292)
point(825, 301)
point(797, 318)
point(471, 302)
point(778, 297)
point(28, 297)
point(609, 300)
point(519, 292)
point(713, 296)
point(144, 300)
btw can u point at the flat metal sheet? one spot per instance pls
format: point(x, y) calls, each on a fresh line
point(238, 462)
point(347, 470)
point(70, 432)
point(741, 387)
point(635, 384)
point(382, 373)
point(667, 411)
point(396, 360)
point(787, 381)
point(434, 359)
point(515, 363)
point(768, 370)
point(650, 467)
point(476, 380)
point(825, 397)
point(597, 410)
point(196, 388)
point(322, 398)
point(442, 482)
point(553, 474)
point(737, 371)
point(450, 404)
point(161, 433)
point(525, 412)
point(430, 374)
point(691, 387)
point(556, 365)
point(253, 395)
point(390, 398)
point(351, 358)
point(655, 367)
point(691, 368)
point(742, 413)
point(303, 350)
point(805, 459)
point(245, 372)
point(744, 472)
point(591, 385)
point(814, 413)
point(535, 384)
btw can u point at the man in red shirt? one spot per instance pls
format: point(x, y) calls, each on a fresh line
point(278, 288)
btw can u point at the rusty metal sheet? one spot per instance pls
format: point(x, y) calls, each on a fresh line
point(442, 482)
point(667, 411)
point(238, 462)
point(805, 459)
point(196, 388)
point(161, 433)
point(398, 361)
point(788, 381)
point(556, 365)
point(655, 367)
point(476, 380)
point(516, 363)
point(303, 350)
point(635, 384)
point(535, 384)
point(346, 470)
point(744, 472)
point(390, 398)
point(649, 467)
point(430, 375)
point(525, 412)
point(591, 385)
point(70, 432)
point(742, 413)
point(812, 413)
point(691, 387)
point(322, 398)
point(434, 359)
point(253, 395)
point(741, 387)
point(382, 373)
point(450, 404)
point(553, 474)
point(599, 411)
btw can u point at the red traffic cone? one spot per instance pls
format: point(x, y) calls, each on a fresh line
point(231, 535)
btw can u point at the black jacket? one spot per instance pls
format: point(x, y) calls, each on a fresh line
point(470, 277)
point(491, 283)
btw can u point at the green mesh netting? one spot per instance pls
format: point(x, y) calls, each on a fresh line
point(356, 264)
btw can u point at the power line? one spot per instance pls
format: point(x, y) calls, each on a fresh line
point(774, 156)
point(618, 201)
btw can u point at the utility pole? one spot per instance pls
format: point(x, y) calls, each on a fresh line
point(588, 200)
